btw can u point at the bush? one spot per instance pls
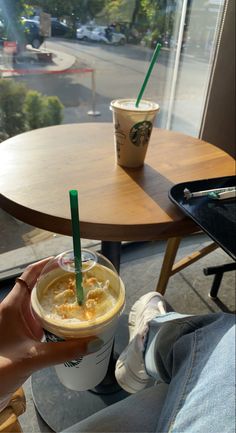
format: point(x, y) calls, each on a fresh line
point(42, 110)
point(150, 40)
point(12, 115)
point(3, 136)
point(22, 110)
point(52, 111)
point(33, 107)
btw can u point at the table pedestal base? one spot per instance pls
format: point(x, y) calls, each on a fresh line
point(60, 407)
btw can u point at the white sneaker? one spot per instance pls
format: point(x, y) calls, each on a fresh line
point(130, 369)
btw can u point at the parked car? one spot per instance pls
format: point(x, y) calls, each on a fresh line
point(84, 33)
point(32, 33)
point(58, 28)
point(108, 35)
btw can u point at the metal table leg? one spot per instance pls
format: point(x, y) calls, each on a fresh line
point(112, 251)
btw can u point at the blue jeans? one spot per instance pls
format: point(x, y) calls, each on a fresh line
point(192, 359)
point(195, 355)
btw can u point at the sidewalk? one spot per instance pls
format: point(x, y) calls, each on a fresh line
point(28, 63)
point(14, 261)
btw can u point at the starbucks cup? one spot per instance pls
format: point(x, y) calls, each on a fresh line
point(133, 127)
point(87, 371)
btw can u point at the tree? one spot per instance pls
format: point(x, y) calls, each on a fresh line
point(119, 10)
point(76, 10)
point(11, 12)
point(135, 14)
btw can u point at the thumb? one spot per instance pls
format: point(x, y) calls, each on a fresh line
point(55, 353)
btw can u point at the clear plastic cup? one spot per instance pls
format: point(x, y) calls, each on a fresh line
point(133, 128)
point(89, 370)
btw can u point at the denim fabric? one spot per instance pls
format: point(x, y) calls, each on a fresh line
point(138, 413)
point(196, 356)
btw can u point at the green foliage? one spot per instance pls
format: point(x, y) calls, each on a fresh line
point(3, 136)
point(119, 10)
point(155, 15)
point(139, 14)
point(52, 114)
point(11, 12)
point(151, 39)
point(22, 110)
point(34, 107)
point(12, 116)
point(42, 110)
point(82, 10)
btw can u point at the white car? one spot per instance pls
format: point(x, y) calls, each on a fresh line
point(84, 32)
point(99, 34)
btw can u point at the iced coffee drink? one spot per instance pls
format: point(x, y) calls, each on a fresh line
point(55, 304)
point(133, 127)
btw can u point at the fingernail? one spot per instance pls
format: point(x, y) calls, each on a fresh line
point(94, 345)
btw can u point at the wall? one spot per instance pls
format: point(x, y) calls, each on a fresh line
point(218, 124)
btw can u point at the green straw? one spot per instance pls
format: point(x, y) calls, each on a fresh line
point(149, 71)
point(76, 244)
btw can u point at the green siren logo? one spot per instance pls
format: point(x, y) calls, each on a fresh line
point(140, 133)
point(51, 337)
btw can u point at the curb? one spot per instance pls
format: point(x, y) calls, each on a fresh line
point(66, 62)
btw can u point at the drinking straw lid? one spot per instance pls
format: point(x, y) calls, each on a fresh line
point(74, 207)
point(149, 71)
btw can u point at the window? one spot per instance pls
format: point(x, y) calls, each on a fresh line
point(89, 66)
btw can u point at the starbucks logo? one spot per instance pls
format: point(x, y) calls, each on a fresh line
point(140, 133)
point(53, 338)
point(73, 363)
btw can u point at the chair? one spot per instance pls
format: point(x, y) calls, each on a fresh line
point(169, 267)
point(9, 422)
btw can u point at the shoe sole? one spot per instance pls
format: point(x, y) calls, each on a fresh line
point(138, 308)
point(138, 384)
point(121, 363)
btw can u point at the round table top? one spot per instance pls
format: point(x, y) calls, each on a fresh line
point(38, 168)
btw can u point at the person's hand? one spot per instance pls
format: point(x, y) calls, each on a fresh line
point(21, 351)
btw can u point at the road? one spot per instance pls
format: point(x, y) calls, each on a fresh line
point(119, 72)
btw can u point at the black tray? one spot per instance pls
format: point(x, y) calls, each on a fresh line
point(216, 217)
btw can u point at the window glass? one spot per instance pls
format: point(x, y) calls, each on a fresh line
point(100, 50)
point(104, 54)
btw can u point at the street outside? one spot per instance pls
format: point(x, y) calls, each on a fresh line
point(119, 72)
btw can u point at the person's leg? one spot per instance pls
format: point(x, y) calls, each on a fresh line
point(196, 356)
point(135, 414)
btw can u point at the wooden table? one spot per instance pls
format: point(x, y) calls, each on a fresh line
point(38, 168)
